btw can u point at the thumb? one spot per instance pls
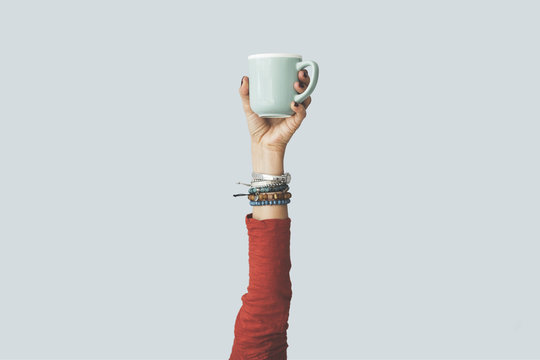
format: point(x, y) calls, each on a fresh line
point(244, 95)
point(294, 121)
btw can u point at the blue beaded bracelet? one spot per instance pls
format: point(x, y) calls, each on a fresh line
point(270, 202)
point(253, 190)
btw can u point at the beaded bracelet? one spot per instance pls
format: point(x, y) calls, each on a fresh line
point(265, 189)
point(270, 202)
point(270, 196)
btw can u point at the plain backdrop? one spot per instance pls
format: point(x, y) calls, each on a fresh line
point(415, 178)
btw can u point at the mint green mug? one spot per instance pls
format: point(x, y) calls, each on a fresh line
point(271, 83)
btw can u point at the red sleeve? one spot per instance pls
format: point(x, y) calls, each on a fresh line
point(260, 331)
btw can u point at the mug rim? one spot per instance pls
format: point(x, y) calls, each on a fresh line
point(266, 55)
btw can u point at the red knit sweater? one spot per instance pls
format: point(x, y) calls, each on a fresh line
point(260, 331)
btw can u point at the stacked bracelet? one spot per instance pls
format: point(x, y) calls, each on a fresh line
point(268, 189)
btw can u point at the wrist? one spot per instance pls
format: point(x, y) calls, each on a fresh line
point(267, 161)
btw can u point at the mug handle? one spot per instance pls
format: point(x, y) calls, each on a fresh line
point(300, 98)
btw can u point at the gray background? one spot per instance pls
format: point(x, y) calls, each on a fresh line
point(122, 137)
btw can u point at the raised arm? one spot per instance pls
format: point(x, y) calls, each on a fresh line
point(262, 322)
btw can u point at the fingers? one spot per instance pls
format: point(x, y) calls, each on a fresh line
point(303, 81)
point(244, 95)
point(307, 101)
point(295, 120)
point(301, 85)
point(304, 77)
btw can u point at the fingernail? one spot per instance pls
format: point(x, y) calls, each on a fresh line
point(305, 73)
point(295, 104)
point(242, 81)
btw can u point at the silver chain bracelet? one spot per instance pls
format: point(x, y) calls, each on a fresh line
point(285, 178)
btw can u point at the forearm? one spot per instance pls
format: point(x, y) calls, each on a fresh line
point(268, 162)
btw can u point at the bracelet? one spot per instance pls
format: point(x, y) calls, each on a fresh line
point(265, 190)
point(270, 202)
point(254, 190)
point(263, 183)
point(270, 196)
point(286, 177)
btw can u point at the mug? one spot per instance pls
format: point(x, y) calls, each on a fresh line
point(271, 83)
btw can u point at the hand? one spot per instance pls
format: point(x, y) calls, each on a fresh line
point(270, 133)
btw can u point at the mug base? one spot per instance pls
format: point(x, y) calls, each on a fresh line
point(274, 115)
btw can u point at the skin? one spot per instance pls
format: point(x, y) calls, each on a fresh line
point(269, 139)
